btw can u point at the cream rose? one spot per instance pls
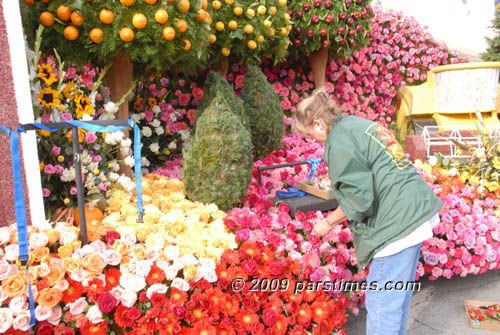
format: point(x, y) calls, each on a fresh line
point(11, 252)
point(78, 275)
point(94, 314)
point(132, 282)
point(143, 268)
point(38, 240)
point(4, 235)
point(128, 298)
point(180, 284)
point(22, 321)
point(117, 292)
point(78, 307)
point(156, 288)
point(43, 270)
point(6, 319)
point(42, 313)
point(4, 269)
point(112, 257)
point(18, 305)
point(55, 318)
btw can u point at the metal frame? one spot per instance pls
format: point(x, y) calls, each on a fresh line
point(454, 135)
point(77, 161)
point(271, 167)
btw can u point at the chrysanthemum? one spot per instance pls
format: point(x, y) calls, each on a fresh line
point(46, 73)
point(83, 106)
point(48, 98)
point(73, 293)
point(95, 329)
point(112, 278)
point(68, 89)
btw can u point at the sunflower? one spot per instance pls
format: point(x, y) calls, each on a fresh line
point(138, 104)
point(48, 98)
point(68, 89)
point(152, 102)
point(83, 106)
point(46, 73)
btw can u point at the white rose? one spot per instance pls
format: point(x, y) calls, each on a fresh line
point(180, 284)
point(156, 288)
point(145, 162)
point(94, 314)
point(78, 307)
point(453, 172)
point(126, 142)
point(78, 275)
point(4, 269)
point(18, 305)
point(128, 298)
point(67, 237)
point(130, 238)
point(68, 175)
point(113, 176)
point(111, 107)
point(117, 292)
point(136, 118)
point(210, 276)
point(154, 147)
point(146, 131)
point(159, 131)
point(143, 268)
point(125, 151)
point(172, 252)
point(42, 313)
point(189, 260)
point(132, 282)
point(207, 263)
point(129, 161)
point(56, 315)
point(171, 272)
point(61, 285)
point(22, 322)
point(155, 123)
point(432, 160)
point(11, 252)
point(4, 235)
point(38, 240)
point(172, 145)
point(156, 109)
point(112, 257)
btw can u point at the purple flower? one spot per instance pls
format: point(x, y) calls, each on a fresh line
point(164, 81)
point(67, 117)
point(96, 158)
point(45, 192)
point(243, 234)
point(73, 191)
point(430, 258)
point(90, 138)
point(56, 151)
point(49, 169)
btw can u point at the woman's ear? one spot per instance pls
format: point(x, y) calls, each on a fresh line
point(320, 124)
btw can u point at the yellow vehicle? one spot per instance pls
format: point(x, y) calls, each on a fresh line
point(453, 95)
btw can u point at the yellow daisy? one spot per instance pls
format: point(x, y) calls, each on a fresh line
point(48, 98)
point(46, 73)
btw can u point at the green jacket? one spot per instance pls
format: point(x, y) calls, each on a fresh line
point(377, 187)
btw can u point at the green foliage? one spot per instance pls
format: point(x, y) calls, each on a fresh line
point(264, 110)
point(493, 51)
point(215, 85)
point(218, 164)
point(148, 49)
point(266, 36)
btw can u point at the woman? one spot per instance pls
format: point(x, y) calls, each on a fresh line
point(389, 207)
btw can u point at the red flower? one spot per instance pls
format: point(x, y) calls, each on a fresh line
point(281, 325)
point(218, 299)
point(304, 313)
point(203, 284)
point(250, 249)
point(45, 328)
point(155, 276)
point(257, 328)
point(179, 311)
point(275, 269)
point(120, 316)
point(74, 291)
point(319, 311)
point(107, 302)
point(112, 236)
point(158, 300)
point(177, 296)
point(230, 306)
point(203, 328)
point(112, 278)
point(95, 329)
point(246, 319)
point(249, 266)
point(132, 314)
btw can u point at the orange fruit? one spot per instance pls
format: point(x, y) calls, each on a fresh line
point(150, 2)
point(168, 33)
point(161, 16)
point(260, 38)
point(188, 44)
point(233, 25)
point(216, 4)
point(126, 34)
point(96, 35)
point(283, 2)
point(71, 33)
point(212, 38)
point(183, 5)
point(181, 25)
point(76, 19)
point(261, 10)
point(283, 31)
point(248, 29)
point(225, 51)
point(273, 10)
point(201, 15)
point(237, 10)
point(139, 21)
point(219, 26)
point(250, 12)
point(251, 44)
point(267, 23)
point(229, 2)
point(106, 16)
point(47, 19)
point(271, 32)
point(29, 2)
point(64, 13)
point(204, 4)
point(127, 3)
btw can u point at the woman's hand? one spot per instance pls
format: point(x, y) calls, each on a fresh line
point(322, 228)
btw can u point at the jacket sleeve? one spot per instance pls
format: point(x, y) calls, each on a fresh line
point(352, 180)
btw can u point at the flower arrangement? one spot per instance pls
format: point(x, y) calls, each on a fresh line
point(62, 93)
point(339, 25)
point(164, 106)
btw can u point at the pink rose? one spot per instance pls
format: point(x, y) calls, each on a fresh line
point(112, 257)
point(78, 307)
point(90, 138)
point(4, 269)
point(94, 314)
point(56, 316)
point(18, 305)
point(56, 151)
point(22, 321)
point(6, 319)
point(42, 313)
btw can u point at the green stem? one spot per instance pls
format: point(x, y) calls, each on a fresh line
point(38, 42)
point(101, 77)
point(125, 96)
point(60, 69)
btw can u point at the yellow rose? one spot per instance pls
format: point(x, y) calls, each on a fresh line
point(15, 285)
point(190, 272)
point(53, 235)
point(49, 297)
point(94, 263)
point(121, 247)
point(139, 252)
point(71, 264)
point(65, 251)
point(40, 253)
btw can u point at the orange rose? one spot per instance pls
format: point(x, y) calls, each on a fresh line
point(71, 264)
point(33, 274)
point(13, 237)
point(56, 273)
point(53, 236)
point(15, 285)
point(121, 247)
point(142, 234)
point(139, 252)
point(94, 263)
point(49, 297)
point(65, 251)
point(40, 253)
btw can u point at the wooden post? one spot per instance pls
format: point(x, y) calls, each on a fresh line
point(222, 67)
point(318, 61)
point(119, 78)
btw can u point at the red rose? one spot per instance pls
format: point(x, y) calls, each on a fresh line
point(268, 317)
point(222, 283)
point(257, 328)
point(230, 224)
point(311, 215)
point(249, 304)
point(275, 269)
point(45, 328)
point(143, 296)
point(207, 304)
point(180, 311)
point(112, 236)
point(283, 207)
point(68, 331)
point(249, 266)
point(203, 284)
point(132, 314)
point(213, 318)
point(107, 302)
point(158, 300)
point(176, 328)
point(191, 305)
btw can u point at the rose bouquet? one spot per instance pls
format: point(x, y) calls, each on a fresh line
point(484, 313)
